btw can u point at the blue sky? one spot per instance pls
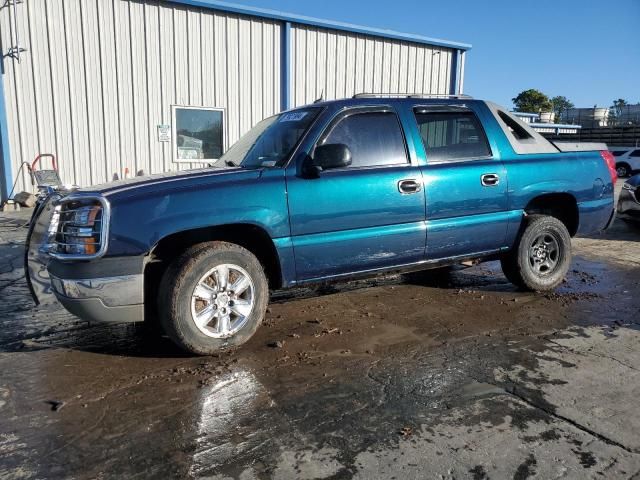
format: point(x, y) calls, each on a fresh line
point(586, 50)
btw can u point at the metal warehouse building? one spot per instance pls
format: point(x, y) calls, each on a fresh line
point(115, 87)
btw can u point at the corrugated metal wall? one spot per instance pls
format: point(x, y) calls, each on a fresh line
point(337, 64)
point(98, 77)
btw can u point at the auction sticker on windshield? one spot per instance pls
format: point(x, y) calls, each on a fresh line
point(293, 116)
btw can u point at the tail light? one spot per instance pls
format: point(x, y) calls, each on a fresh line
point(610, 160)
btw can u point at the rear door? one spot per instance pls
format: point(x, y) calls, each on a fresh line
point(367, 216)
point(465, 184)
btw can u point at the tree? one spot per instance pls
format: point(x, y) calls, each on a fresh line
point(532, 101)
point(615, 110)
point(618, 106)
point(561, 104)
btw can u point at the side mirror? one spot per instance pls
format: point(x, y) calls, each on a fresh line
point(333, 155)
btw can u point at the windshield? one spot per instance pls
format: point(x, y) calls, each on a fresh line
point(271, 141)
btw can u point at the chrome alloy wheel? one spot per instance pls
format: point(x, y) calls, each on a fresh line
point(544, 253)
point(222, 301)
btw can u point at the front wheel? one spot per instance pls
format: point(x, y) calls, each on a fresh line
point(213, 297)
point(542, 256)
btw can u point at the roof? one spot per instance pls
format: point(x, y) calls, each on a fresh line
point(318, 22)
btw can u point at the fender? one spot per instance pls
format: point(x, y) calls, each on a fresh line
point(142, 217)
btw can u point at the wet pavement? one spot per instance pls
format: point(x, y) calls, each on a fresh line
point(453, 376)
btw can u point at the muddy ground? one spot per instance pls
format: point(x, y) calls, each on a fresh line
point(459, 376)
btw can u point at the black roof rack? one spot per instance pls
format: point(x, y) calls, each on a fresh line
point(413, 95)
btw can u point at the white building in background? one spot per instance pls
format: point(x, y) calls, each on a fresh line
point(542, 125)
point(114, 87)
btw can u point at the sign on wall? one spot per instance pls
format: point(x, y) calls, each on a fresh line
point(164, 133)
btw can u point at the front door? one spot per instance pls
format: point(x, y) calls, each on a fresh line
point(365, 216)
point(465, 185)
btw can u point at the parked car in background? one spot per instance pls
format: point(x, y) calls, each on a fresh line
point(627, 161)
point(333, 190)
point(629, 199)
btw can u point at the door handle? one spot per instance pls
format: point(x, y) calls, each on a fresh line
point(409, 186)
point(489, 180)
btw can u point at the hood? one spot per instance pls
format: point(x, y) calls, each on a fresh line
point(164, 180)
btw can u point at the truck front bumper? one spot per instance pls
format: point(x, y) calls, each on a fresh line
point(106, 299)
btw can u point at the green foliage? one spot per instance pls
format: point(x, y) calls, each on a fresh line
point(618, 107)
point(561, 104)
point(532, 101)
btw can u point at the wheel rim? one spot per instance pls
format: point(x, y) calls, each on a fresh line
point(544, 254)
point(622, 171)
point(222, 301)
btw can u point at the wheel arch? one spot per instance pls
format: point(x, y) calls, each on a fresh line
point(562, 206)
point(250, 236)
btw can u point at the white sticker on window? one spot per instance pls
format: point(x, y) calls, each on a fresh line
point(293, 117)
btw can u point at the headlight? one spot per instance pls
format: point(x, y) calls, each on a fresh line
point(79, 228)
point(86, 215)
point(628, 186)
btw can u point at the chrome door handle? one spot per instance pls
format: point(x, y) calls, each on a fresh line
point(489, 180)
point(409, 186)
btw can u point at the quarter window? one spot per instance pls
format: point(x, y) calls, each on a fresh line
point(451, 136)
point(517, 130)
point(374, 139)
point(198, 134)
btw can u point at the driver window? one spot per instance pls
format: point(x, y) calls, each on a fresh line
point(373, 138)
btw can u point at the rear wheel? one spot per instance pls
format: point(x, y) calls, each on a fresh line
point(623, 170)
point(213, 297)
point(542, 256)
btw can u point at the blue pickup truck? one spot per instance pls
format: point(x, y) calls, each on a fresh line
point(332, 190)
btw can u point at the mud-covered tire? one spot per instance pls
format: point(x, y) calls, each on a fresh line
point(177, 292)
point(522, 265)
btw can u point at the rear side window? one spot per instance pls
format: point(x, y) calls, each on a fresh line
point(635, 153)
point(618, 153)
point(451, 136)
point(514, 127)
point(374, 139)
